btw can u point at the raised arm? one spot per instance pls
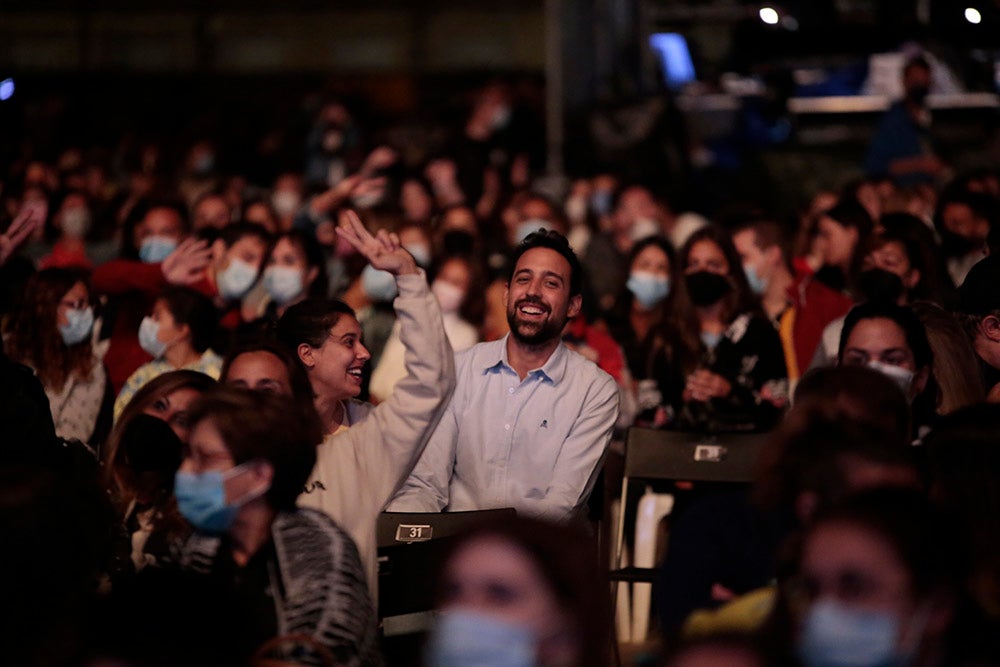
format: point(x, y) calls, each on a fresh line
point(390, 440)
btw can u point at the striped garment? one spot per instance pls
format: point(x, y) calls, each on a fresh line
point(322, 591)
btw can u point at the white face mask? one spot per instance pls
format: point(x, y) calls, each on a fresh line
point(285, 202)
point(643, 227)
point(448, 295)
point(76, 222)
point(283, 283)
point(236, 279)
point(903, 377)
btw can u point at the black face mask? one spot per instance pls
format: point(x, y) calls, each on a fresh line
point(706, 287)
point(918, 94)
point(879, 285)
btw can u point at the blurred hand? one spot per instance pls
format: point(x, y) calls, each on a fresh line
point(188, 262)
point(383, 250)
point(29, 219)
point(703, 385)
point(380, 158)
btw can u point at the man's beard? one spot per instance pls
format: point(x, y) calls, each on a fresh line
point(534, 334)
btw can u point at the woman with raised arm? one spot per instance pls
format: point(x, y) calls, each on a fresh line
point(368, 451)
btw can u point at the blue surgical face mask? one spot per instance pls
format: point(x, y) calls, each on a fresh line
point(710, 339)
point(236, 279)
point(80, 322)
point(836, 635)
point(464, 639)
point(283, 283)
point(156, 248)
point(148, 337)
point(378, 285)
point(600, 201)
point(648, 289)
point(201, 498)
point(757, 284)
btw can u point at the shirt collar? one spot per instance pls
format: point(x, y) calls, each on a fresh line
point(553, 370)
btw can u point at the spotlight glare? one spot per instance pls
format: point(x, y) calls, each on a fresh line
point(769, 15)
point(972, 15)
point(6, 89)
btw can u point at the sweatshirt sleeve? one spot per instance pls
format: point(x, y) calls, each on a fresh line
point(394, 435)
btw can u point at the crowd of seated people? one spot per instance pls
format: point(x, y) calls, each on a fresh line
point(214, 384)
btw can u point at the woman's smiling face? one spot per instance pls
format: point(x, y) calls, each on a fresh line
point(335, 367)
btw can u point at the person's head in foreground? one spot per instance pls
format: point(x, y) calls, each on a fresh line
point(248, 457)
point(521, 592)
point(874, 582)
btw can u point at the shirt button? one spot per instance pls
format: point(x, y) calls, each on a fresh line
point(506, 427)
point(510, 390)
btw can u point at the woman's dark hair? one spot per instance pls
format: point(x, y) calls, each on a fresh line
point(818, 439)
point(33, 336)
point(924, 255)
point(860, 394)
point(682, 324)
point(567, 558)
point(903, 316)
point(850, 214)
point(310, 322)
point(191, 307)
point(256, 425)
point(297, 378)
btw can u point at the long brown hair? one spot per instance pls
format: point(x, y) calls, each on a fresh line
point(681, 326)
point(162, 385)
point(33, 336)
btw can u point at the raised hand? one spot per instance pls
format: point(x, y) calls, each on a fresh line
point(380, 158)
point(383, 250)
point(187, 263)
point(27, 221)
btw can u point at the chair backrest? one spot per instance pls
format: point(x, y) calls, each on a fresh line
point(411, 549)
point(725, 457)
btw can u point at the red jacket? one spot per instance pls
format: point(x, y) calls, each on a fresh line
point(816, 305)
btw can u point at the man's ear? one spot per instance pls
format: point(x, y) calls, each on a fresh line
point(911, 279)
point(305, 352)
point(575, 304)
point(506, 293)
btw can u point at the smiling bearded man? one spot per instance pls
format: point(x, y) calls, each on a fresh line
point(530, 420)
